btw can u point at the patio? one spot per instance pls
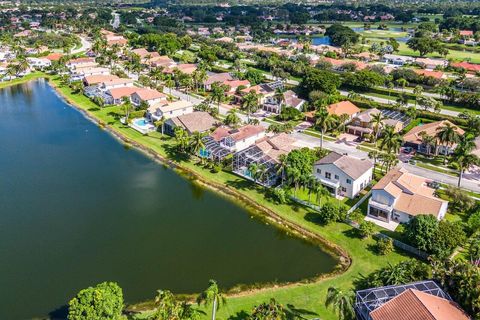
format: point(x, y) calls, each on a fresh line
point(392, 225)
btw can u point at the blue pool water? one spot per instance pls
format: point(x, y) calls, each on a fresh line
point(141, 122)
point(321, 41)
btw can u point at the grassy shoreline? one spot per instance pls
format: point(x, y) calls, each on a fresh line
point(309, 296)
point(28, 77)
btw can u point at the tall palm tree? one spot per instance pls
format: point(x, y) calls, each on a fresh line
point(377, 123)
point(213, 296)
point(320, 192)
point(161, 123)
point(417, 91)
point(463, 157)
point(373, 155)
point(447, 136)
point(232, 119)
point(391, 140)
point(282, 166)
point(127, 106)
point(196, 142)
point(428, 141)
point(250, 103)
point(253, 169)
point(218, 94)
point(341, 302)
point(182, 138)
point(324, 121)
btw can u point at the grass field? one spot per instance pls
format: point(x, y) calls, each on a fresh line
point(28, 77)
point(310, 296)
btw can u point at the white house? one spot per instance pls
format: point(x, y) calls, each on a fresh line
point(400, 196)
point(116, 95)
point(115, 83)
point(343, 175)
point(169, 109)
point(39, 63)
point(238, 139)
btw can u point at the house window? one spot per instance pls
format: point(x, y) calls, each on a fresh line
point(328, 175)
point(336, 177)
point(349, 181)
point(344, 189)
point(319, 170)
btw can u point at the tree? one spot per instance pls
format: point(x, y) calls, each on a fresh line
point(127, 106)
point(324, 122)
point(448, 236)
point(250, 103)
point(366, 229)
point(417, 91)
point(342, 303)
point(473, 222)
point(232, 119)
point(322, 80)
point(269, 311)
point(391, 140)
point(331, 212)
point(341, 35)
point(196, 142)
point(168, 307)
point(462, 156)
point(425, 45)
point(385, 246)
point(103, 302)
point(212, 296)
point(181, 138)
point(428, 141)
point(447, 135)
point(377, 124)
point(161, 123)
point(421, 232)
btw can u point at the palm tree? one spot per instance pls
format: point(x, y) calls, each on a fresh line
point(324, 121)
point(417, 91)
point(250, 103)
point(218, 94)
point(377, 123)
point(428, 141)
point(282, 166)
point(196, 142)
point(170, 83)
point(341, 302)
point(161, 123)
point(213, 296)
point(447, 135)
point(127, 105)
point(182, 138)
point(320, 192)
point(463, 157)
point(156, 74)
point(253, 169)
point(391, 140)
point(373, 155)
point(232, 119)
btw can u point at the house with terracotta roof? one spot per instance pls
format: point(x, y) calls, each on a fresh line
point(167, 110)
point(239, 138)
point(80, 62)
point(288, 99)
point(198, 121)
point(430, 73)
point(429, 63)
point(213, 77)
point(96, 79)
point(361, 123)
point(413, 138)
point(421, 300)
point(399, 196)
point(343, 175)
point(145, 55)
point(466, 33)
point(234, 85)
point(150, 96)
point(187, 68)
point(264, 155)
point(469, 67)
point(115, 83)
point(162, 62)
point(54, 56)
point(263, 91)
point(343, 108)
point(339, 64)
point(116, 95)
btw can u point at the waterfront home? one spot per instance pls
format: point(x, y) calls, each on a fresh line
point(413, 138)
point(167, 110)
point(264, 156)
point(115, 83)
point(399, 196)
point(343, 108)
point(82, 72)
point(422, 300)
point(361, 123)
point(343, 175)
point(39, 63)
point(198, 121)
point(239, 138)
point(116, 95)
point(80, 62)
point(287, 99)
point(96, 79)
point(150, 96)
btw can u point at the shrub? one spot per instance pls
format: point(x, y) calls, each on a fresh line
point(366, 229)
point(385, 246)
point(104, 301)
point(331, 212)
point(473, 222)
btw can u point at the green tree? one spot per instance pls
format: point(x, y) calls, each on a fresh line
point(218, 94)
point(212, 296)
point(324, 122)
point(391, 140)
point(103, 302)
point(421, 232)
point(232, 119)
point(269, 311)
point(366, 229)
point(250, 103)
point(385, 246)
point(447, 136)
point(342, 303)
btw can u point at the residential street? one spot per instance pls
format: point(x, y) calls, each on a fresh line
point(305, 140)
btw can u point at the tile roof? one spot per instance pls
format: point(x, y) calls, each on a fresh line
point(198, 121)
point(218, 77)
point(99, 78)
point(343, 107)
point(467, 66)
point(148, 94)
point(241, 133)
point(429, 73)
point(413, 136)
point(353, 167)
point(416, 305)
point(118, 93)
point(54, 56)
point(411, 192)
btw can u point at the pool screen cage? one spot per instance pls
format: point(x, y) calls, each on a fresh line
point(213, 150)
point(370, 299)
point(254, 155)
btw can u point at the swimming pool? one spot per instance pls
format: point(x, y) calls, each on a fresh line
point(142, 125)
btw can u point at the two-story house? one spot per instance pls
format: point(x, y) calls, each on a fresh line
point(400, 196)
point(169, 110)
point(150, 96)
point(288, 99)
point(238, 139)
point(343, 175)
point(361, 123)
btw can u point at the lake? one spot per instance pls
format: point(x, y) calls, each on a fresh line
point(77, 208)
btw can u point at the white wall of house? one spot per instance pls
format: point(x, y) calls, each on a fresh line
point(136, 100)
point(235, 146)
point(105, 87)
point(349, 187)
point(159, 113)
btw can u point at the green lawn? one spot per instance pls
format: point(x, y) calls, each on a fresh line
point(309, 296)
point(28, 77)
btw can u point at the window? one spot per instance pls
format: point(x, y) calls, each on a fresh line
point(319, 170)
point(349, 181)
point(328, 175)
point(344, 189)
point(336, 177)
